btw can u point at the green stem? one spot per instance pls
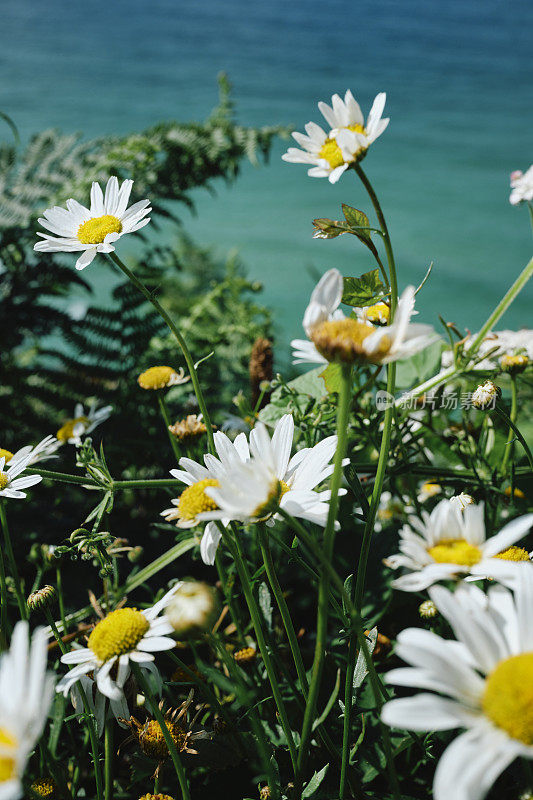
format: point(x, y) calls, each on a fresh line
point(21, 600)
point(59, 582)
point(61, 477)
point(108, 752)
point(166, 420)
point(179, 338)
point(235, 548)
point(283, 608)
point(512, 426)
point(3, 602)
point(343, 410)
point(88, 715)
point(154, 708)
point(512, 416)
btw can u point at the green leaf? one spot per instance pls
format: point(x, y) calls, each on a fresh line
point(315, 782)
point(361, 670)
point(329, 228)
point(363, 291)
point(356, 219)
point(419, 367)
point(332, 377)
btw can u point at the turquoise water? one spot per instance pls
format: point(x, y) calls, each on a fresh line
point(457, 74)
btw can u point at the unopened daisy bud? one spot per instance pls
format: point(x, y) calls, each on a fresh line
point(245, 655)
point(514, 364)
point(44, 787)
point(42, 598)
point(188, 429)
point(485, 395)
point(261, 360)
point(135, 554)
point(462, 500)
point(161, 378)
point(193, 609)
point(427, 609)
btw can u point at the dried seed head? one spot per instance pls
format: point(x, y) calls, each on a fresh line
point(188, 429)
point(261, 360)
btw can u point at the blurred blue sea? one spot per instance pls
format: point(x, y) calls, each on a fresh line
point(458, 79)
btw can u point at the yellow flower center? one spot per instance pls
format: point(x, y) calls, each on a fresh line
point(508, 697)
point(342, 340)
point(156, 378)
point(7, 454)
point(66, 431)
point(153, 743)
point(514, 553)
point(95, 230)
point(507, 491)
point(379, 313)
point(120, 632)
point(431, 488)
point(455, 551)
point(271, 504)
point(194, 500)
point(45, 787)
point(331, 152)
point(7, 762)
point(4, 480)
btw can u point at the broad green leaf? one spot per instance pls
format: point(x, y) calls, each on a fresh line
point(332, 377)
point(365, 290)
point(361, 670)
point(315, 782)
point(356, 219)
point(419, 367)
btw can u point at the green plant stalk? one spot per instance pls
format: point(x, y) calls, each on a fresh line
point(108, 763)
point(88, 715)
point(283, 608)
point(21, 600)
point(509, 447)
point(235, 548)
point(343, 411)
point(59, 582)
point(3, 602)
point(166, 419)
point(503, 414)
point(228, 595)
point(179, 338)
point(176, 760)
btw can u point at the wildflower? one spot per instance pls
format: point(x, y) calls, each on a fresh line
point(461, 500)
point(193, 609)
point(485, 677)
point(485, 396)
point(93, 230)
point(161, 378)
point(10, 484)
point(428, 490)
point(45, 787)
point(156, 797)
point(335, 337)
point(522, 186)
point(43, 597)
point(495, 345)
point(378, 314)
point(123, 635)
point(82, 423)
point(45, 449)
point(26, 691)
point(427, 609)
point(330, 154)
point(245, 655)
point(514, 364)
point(451, 543)
point(253, 489)
point(189, 429)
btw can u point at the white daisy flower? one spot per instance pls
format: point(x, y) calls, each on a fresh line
point(252, 490)
point(428, 490)
point(462, 500)
point(10, 484)
point(522, 186)
point(494, 346)
point(82, 423)
point(481, 681)
point(26, 692)
point(330, 154)
point(45, 449)
point(124, 635)
point(93, 230)
point(336, 337)
point(451, 543)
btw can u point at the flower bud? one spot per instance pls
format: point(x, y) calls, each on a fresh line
point(514, 364)
point(427, 609)
point(485, 395)
point(193, 609)
point(42, 598)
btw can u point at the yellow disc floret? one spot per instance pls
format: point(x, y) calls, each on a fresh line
point(455, 551)
point(514, 553)
point(95, 230)
point(342, 340)
point(508, 697)
point(7, 454)
point(271, 504)
point(4, 480)
point(152, 741)
point(118, 633)
point(66, 431)
point(157, 378)
point(45, 787)
point(331, 152)
point(378, 314)
point(194, 500)
point(7, 762)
